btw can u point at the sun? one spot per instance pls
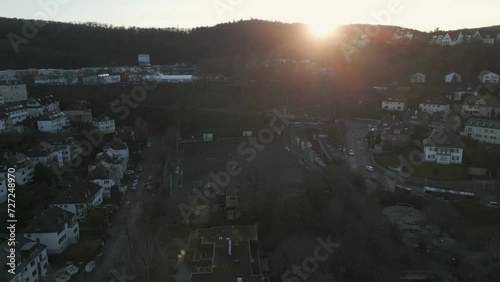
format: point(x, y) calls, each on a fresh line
point(321, 29)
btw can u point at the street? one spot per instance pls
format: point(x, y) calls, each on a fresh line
point(116, 248)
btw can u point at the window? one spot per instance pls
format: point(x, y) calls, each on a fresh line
point(62, 239)
point(33, 273)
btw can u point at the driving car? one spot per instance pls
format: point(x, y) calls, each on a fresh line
point(369, 168)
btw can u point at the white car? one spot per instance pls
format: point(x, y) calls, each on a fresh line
point(351, 153)
point(369, 168)
point(136, 183)
point(72, 269)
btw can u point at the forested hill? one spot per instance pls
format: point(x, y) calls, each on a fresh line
point(230, 47)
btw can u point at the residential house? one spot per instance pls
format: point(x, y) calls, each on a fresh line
point(101, 79)
point(443, 147)
point(483, 130)
point(119, 147)
point(103, 177)
point(39, 106)
point(402, 35)
point(2, 100)
point(415, 118)
point(53, 122)
point(486, 76)
point(112, 161)
point(434, 105)
point(452, 77)
point(55, 228)
point(66, 141)
point(46, 154)
point(14, 92)
point(16, 111)
point(104, 124)
point(362, 41)
point(24, 170)
point(397, 103)
point(447, 39)
point(30, 259)
point(393, 133)
point(79, 113)
point(459, 93)
point(481, 106)
point(5, 123)
point(126, 134)
point(445, 121)
point(417, 78)
point(79, 198)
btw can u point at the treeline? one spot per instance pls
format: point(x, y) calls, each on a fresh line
point(230, 47)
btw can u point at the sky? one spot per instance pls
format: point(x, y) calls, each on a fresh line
point(424, 15)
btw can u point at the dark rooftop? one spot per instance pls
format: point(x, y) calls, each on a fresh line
point(79, 192)
point(443, 138)
point(51, 220)
point(26, 251)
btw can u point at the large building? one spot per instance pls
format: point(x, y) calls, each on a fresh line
point(55, 228)
point(443, 147)
point(104, 124)
point(225, 253)
point(23, 166)
point(79, 112)
point(53, 122)
point(39, 106)
point(434, 105)
point(14, 92)
point(79, 198)
point(16, 111)
point(31, 261)
point(46, 155)
point(143, 60)
point(483, 130)
point(394, 103)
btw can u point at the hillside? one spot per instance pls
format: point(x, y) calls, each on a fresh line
point(230, 47)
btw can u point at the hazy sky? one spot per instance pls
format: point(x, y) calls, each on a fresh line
point(419, 14)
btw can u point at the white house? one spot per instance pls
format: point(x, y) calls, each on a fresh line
point(119, 147)
point(66, 141)
point(488, 77)
point(443, 147)
point(459, 93)
point(105, 124)
point(79, 198)
point(39, 106)
point(53, 122)
point(103, 177)
point(14, 92)
point(417, 78)
point(16, 111)
point(46, 154)
point(483, 130)
point(23, 166)
point(434, 105)
point(112, 161)
point(402, 34)
point(394, 103)
point(452, 77)
point(55, 228)
point(31, 261)
point(481, 106)
point(143, 60)
point(79, 113)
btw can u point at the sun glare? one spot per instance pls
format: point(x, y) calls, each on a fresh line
point(321, 29)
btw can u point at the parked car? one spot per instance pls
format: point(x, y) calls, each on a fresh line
point(351, 153)
point(150, 177)
point(493, 204)
point(369, 168)
point(129, 172)
point(90, 266)
point(72, 269)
